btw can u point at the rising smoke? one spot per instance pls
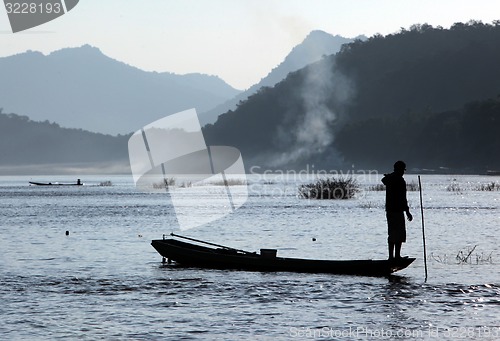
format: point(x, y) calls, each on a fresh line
point(324, 93)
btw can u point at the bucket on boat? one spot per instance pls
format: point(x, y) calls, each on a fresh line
point(268, 253)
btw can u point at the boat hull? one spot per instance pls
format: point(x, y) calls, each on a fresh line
point(54, 184)
point(187, 254)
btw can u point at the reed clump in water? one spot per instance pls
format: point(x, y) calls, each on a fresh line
point(165, 183)
point(466, 255)
point(489, 187)
point(330, 188)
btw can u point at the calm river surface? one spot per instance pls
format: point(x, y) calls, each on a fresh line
point(105, 281)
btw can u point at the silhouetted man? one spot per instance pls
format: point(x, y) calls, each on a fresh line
point(396, 205)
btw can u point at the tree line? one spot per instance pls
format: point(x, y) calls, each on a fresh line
point(26, 142)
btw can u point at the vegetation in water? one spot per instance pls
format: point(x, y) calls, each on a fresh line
point(489, 187)
point(165, 183)
point(330, 188)
point(466, 255)
point(229, 182)
point(454, 186)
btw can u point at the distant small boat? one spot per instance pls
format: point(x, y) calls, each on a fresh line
point(78, 183)
point(187, 254)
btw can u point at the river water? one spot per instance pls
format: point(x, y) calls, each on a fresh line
point(105, 281)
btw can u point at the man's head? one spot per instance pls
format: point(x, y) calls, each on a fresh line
point(400, 167)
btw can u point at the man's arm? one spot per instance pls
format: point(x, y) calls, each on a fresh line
point(408, 215)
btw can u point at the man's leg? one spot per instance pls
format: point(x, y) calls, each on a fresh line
point(398, 249)
point(391, 250)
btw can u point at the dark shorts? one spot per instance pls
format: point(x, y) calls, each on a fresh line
point(396, 227)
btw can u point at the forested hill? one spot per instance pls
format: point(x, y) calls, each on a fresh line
point(29, 146)
point(423, 68)
point(419, 79)
point(465, 140)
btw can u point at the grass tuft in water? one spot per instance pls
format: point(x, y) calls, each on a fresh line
point(330, 188)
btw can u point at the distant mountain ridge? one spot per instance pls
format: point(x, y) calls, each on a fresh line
point(315, 46)
point(83, 88)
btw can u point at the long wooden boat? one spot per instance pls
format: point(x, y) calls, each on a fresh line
point(77, 183)
point(188, 254)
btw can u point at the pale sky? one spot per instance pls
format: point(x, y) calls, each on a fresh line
point(240, 41)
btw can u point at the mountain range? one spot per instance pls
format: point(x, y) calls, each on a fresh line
point(89, 96)
point(83, 88)
point(426, 95)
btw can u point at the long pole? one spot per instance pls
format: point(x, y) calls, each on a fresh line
point(423, 228)
point(208, 243)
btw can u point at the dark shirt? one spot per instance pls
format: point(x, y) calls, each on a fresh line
point(395, 193)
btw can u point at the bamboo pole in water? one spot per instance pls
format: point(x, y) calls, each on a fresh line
point(423, 228)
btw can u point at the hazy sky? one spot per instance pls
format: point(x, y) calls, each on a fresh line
point(238, 40)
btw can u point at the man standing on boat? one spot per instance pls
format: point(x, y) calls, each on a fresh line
point(396, 205)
